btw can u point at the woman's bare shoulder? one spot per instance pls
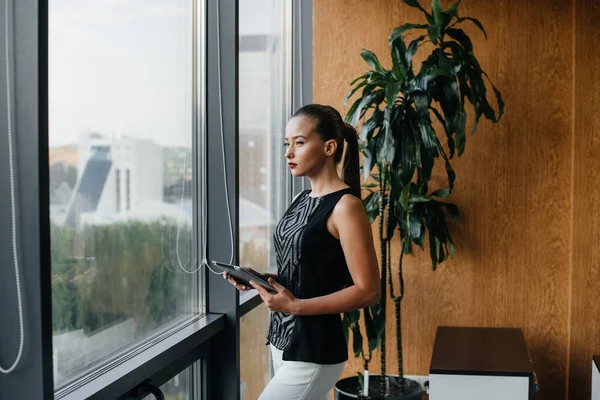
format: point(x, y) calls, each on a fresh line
point(349, 206)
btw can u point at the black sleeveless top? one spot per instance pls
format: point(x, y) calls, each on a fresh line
point(310, 263)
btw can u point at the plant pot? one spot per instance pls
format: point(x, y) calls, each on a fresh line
point(349, 388)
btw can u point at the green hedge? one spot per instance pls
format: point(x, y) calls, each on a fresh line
point(105, 274)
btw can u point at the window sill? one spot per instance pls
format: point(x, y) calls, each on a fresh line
point(248, 301)
point(174, 350)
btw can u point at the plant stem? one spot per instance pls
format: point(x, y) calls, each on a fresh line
point(399, 319)
point(383, 241)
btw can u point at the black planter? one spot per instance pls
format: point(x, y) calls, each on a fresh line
point(349, 388)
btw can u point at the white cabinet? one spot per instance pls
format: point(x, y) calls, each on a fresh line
point(596, 378)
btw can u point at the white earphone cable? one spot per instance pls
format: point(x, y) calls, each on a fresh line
point(220, 90)
point(12, 196)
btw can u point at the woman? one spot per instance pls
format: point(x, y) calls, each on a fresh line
point(326, 262)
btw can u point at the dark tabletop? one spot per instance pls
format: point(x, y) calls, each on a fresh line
point(480, 351)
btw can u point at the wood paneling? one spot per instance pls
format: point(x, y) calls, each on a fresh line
point(585, 284)
point(513, 185)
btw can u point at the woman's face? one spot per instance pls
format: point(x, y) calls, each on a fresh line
point(306, 152)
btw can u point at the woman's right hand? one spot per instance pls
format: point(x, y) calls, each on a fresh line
point(240, 286)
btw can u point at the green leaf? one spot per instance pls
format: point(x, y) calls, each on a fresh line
point(418, 199)
point(378, 319)
point(368, 128)
point(475, 21)
point(436, 10)
point(412, 48)
point(357, 341)
point(372, 60)
point(424, 121)
point(357, 87)
point(427, 162)
point(391, 92)
point(461, 37)
point(414, 225)
point(372, 338)
point(345, 327)
point(399, 30)
point(451, 174)
point(435, 32)
point(361, 381)
point(356, 110)
point(353, 316)
point(430, 72)
point(364, 76)
point(499, 99)
point(443, 193)
point(368, 160)
point(453, 10)
point(452, 211)
point(398, 63)
point(500, 102)
point(452, 248)
point(404, 196)
point(406, 160)
point(387, 148)
point(371, 203)
point(447, 129)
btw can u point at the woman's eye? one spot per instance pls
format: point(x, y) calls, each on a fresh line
point(286, 144)
point(299, 143)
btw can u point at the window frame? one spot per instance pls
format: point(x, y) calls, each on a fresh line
point(213, 337)
point(299, 34)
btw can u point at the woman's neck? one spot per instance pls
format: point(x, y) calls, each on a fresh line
point(326, 182)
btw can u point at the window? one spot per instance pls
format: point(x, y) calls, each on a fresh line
point(121, 92)
point(182, 386)
point(264, 107)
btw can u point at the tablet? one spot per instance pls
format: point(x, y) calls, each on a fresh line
point(244, 276)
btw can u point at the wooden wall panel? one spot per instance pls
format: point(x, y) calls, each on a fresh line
point(585, 285)
point(513, 183)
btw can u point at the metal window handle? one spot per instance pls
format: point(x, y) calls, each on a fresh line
point(144, 390)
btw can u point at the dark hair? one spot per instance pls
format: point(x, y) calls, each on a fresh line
point(330, 125)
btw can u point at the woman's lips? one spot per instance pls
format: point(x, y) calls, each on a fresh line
point(292, 165)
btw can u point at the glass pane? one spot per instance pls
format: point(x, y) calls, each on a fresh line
point(121, 176)
point(181, 386)
point(255, 356)
point(263, 112)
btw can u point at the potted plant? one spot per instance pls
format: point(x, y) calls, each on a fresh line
point(402, 114)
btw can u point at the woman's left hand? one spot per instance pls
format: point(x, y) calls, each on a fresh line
point(283, 300)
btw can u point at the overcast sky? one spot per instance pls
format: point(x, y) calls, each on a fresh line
point(123, 67)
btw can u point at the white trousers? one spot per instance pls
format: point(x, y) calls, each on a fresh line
point(295, 380)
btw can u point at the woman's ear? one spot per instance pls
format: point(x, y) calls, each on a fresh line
point(330, 147)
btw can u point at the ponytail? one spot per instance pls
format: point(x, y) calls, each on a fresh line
point(350, 171)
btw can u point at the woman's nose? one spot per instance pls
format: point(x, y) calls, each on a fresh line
point(289, 153)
